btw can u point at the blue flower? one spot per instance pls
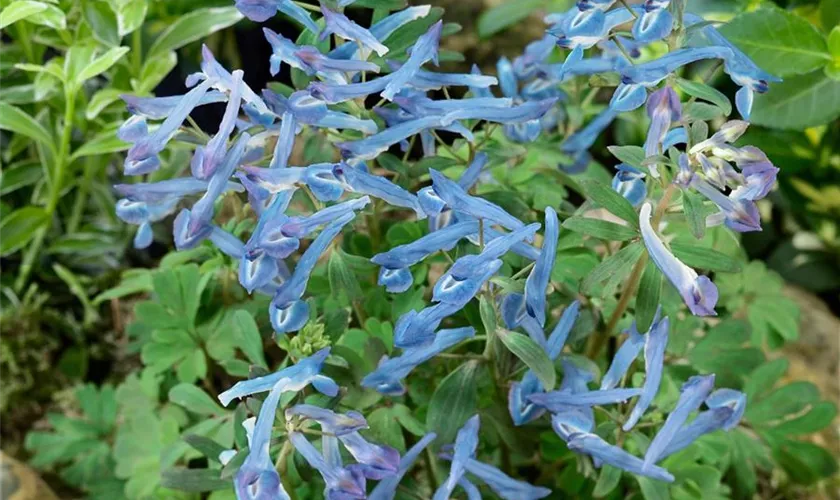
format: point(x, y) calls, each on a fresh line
point(425, 49)
point(663, 108)
point(359, 181)
point(625, 356)
point(587, 28)
point(555, 401)
point(370, 147)
point(692, 395)
point(503, 485)
point(341, 26)
point(207, 159)
point(629, 182)
point(288, 312)
point(705, 422)
point(415, 329)
point(537, 282)
point(653, 72)
point(599, 449)
point(158, 108)
point(466, 442)
point(653, 24)
point(655, 342)
point(459, 200)
point(381, 30)
point(292, 379)
point(698, 292)
point(261, 10)
point(572, 421)
point(311, 61)
point(388, 376)
point(387, 487)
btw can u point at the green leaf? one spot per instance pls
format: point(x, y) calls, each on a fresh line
point(798, 102)
point(102, 21)
point(19, 227)
point(763, 378)
point(341, 277)
point(386, 429)
point(647, 300)
point(488, 314)
point(453, 402)
point(193, 480)
point(194, 399)
point(103, 142)
point(531, 354)
point(101, 64)
point(705, 92)
point(101, 100)
point(694, 213)
point(705, 258)
point(786, 400)
point(130, 16)
point(16, 120)
point(608, 198)
point(615, 267)
point(653, 489)
point(818, 418)
point(505, 14)
point(204, 445)
point(778, 41)
point(21, 9)
point(631, 155)
point(694, 111)
point(155, 70)
point(20, 175)
point(601, 229)
point(248, 337)
point(608, 480)
point(196, 25)
point(805, 463)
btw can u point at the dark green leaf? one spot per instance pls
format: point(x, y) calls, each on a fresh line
point(648, 298)
point(763, 378)
point(503, 15)
point(608, 480)
point(488, 314)
point(818, 418)
point(19, 227)
point(694, 213)
point(608, 198)
point(786, 400)
point(204, 445)
point(705, 92)
point(598, 228)
point(194, 26)
point(805, 463)
point(614, 268)
point(248, 338)
point(341, 277)
point(798, 102)
point(705, 258)
point(453, 402)
point(531, 354)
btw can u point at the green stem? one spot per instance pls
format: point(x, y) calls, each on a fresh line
point(137, 51)
point(81, 195)
point(61, 164)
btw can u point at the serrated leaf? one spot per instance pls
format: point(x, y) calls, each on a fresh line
point(194, 399)
point(613, 202)
point(601, 229)
point(705, 258)
point(194, 26)
point(647, 299)
point(705, 92)
point(530, 353)
point(453, 402)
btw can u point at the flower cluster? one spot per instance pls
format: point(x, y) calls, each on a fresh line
point(251, 152)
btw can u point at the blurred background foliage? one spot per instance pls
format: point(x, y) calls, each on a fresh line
point(80, 359)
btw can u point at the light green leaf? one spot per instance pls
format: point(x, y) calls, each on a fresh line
point(608, 480)
point(341, 277)
point(505, 14)
point(488, 314)
point(16, 120)
point(194, 399)
point(705, 258)
point(601, 229)
point(694, 213)
point(101, 64)
point(453, 402)
point(248, 337)
point(20, 175)
point(76, 288)
point(130, 16)
point(531, 354)
point(192, 480)
point(102, 143)
point(631, 155)
point(778, 41)
point(608, 198)
point(194, 26)
point(647, 300)
point(101, 100)
point(154, 71)
point(798, 102)
point(102, 22)
point(705, 92)
point(18, 10)
point(19, 227)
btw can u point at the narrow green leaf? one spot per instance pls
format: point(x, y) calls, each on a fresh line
point(647, 299)
point(16, 120)
point(601, 229)
point(194, 399)
point(204, 445)
point(705, 258)
point(101, 64)
point(608, 480)
point(531, 354)
point(694, 213)
point(193, 480)
point(104, 142)
point(453, 402)
point(341, 277)
point(248, 337)
point(606, 197)
point(505, 14)
point(194, 26)
point(78, 290)
point(19, 227)
point(488, 314)
point(18, 10)
point(616, 266)
point(705, 92)
point(631, 155)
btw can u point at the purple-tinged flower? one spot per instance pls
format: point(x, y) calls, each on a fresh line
point(535, 53)
point(759, 179)
point(341, 26)
point(732, 399)
point(459, 200)
point(377, 461)
point(537, 281)
point(599, 449)
point(333, 93)
point(739, 214)
point(288, 312)
point(503, 485)
point(262, 183)
point(560, 400)
point(142, 156)
point(622, 360)
point(387, 487)
point(257, 479)
point(674, 136)
point(425, 49)
point(192, 226)
point(207, 159)
point(415, 329)
point(663, 108)
point(629, 182)
point(261, 10)
point(729, 132)
point(359, 181)
point(291, 379)
point(655, 342)
point(311, 61)
point(466, 442)
point(520, 408)
point(341, 482)
point(698, 292)
point(388, 375)
point(466, 276)
point(158, 108)
point(715, 170)
point(692, 395)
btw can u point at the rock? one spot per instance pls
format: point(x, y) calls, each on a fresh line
point(19, 482)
